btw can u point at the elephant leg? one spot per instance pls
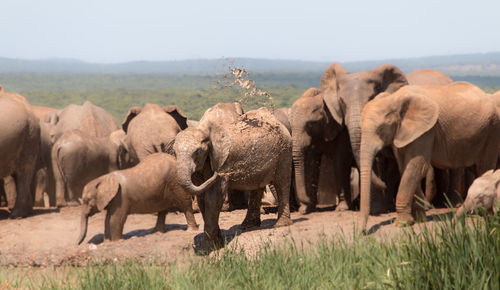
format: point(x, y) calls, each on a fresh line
point(410, 182)
point(211, 208)
point(430, 185)
point(24, 198)
point(117, 218)
point(160, 222)
point(252, 218)
point(419, 205)
point(190, 219)
point(107, 232)
point(41, 186)
point(10, 191)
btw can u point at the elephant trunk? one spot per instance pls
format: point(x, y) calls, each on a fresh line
point(353, 123)
point(184, 173)
point(367, 154)
point(84, 221)
point(300, 184)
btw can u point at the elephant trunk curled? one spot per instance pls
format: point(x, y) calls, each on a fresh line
point(184, 174)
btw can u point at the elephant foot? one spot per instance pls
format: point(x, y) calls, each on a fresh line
point(305, 209)
point(404, 220)
point(61, 203)
point(250, 223)
point(17, 213)
point(210, 243)
point(342, 206)
point(283, 222)
point(160, 229)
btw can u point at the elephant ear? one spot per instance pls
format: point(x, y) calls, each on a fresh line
point(131, 114)
point(418, 115)
point(220, 147)
point(389, 78)
point(328, 85)
point(107, 190)
point(177, 114)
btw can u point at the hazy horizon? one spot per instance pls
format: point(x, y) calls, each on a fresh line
point(125, 31)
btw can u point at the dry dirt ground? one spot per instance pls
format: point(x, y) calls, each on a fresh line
point(49, 236)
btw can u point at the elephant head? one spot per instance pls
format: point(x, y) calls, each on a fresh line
point(192, 149)
point(345, 94)
point(96, 196)
point(391, 119)
point(312, 124)
point(206, 147)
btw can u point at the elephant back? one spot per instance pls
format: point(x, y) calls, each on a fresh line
point(88, 118)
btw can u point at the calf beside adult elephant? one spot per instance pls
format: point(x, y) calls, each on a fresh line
point(19, 148)
point(233, 151)
point(124, 192)
point(448, 126)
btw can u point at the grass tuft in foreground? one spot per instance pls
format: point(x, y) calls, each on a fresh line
point(442, 256)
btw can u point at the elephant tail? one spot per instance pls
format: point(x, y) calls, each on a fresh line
point(56, 163)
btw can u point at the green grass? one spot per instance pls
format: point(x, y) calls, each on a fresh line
point(447, 257)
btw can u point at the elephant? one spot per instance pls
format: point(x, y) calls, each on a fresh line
point(321, 149)
point(152, 129)
point(88, 118)
point(427, 77)
point(484, 192)
point(343, 96)
point(125, 192)
point(78, 158)
point(448, 126)
point(44, 177)
point(438, 181)
point(233, 151)
point(19, 148)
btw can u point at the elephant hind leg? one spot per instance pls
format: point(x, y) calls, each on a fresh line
point(252, 218)
point(190, 219)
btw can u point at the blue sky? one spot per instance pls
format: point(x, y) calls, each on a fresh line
point(348, 30)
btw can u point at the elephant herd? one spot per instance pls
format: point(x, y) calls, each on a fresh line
point(374, 139)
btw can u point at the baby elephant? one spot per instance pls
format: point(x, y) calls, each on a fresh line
point(149, 187)
point(484, 192)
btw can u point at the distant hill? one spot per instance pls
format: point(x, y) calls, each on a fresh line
point(487, 64)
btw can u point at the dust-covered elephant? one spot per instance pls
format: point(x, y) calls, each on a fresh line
point(78, 158)
point(448, 126)
point(233, 151)
point(19, 148)
point(152, 129)
point(125, 192)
